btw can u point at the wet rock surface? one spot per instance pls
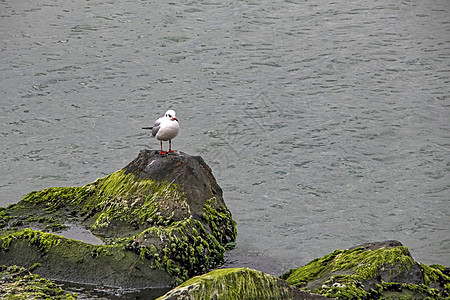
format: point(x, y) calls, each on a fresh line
point(162, 221)
point(381, 270)
point(238, 283)
point(155, 223)
point(190, 173)
point(19, 283)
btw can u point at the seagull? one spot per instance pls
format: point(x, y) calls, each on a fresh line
point(165, 129)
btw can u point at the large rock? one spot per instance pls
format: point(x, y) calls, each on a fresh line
point(383, 270)
point(194, 177)
point(155, 223)
point(18, 283)
point(237, 283)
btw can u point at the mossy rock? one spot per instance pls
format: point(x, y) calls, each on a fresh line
point(18, 283)
point(159, 221)
point(382, 270)
point(237, 283)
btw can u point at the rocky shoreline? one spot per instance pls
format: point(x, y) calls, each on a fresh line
point(162, 222)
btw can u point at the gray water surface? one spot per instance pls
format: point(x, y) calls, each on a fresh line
point(326, 123)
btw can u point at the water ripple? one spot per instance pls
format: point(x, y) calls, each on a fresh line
point(326, 124)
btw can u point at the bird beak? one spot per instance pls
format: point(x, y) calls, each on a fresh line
point(175, 119)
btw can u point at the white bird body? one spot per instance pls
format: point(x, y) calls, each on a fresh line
point(166, 128)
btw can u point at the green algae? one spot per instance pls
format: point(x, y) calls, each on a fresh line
point(45, 242)
point(4, 217)
point(360, 265)
point(58, 197)
point(435, 274)
point(117, 200)
point(185, 249)
point(406, 291)
point(18, 283)
point(77, 261)
point(230, 284)
point(136, 201)
point(301, 276)
point(356, 274)
point(223, 227)
point(134, 216)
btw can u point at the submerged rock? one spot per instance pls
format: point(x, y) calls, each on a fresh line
point(19, 283)
point(155, 223)
point(237, 283)
point(384, 270)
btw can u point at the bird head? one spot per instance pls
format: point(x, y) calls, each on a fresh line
point(171, 115)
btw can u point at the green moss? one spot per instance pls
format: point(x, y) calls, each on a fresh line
point(5, 217)
point(345, 274)
point(393, 290)
point(58, 197)
point(55, 227)
point(299, 277)
point(135, 201)
point(435, 274)
point(345, 291)
point(187, 250)
point(102, 250)
point(359, 264)
point(236, 283)
point(151, 219)
point(43, 241)
point(219, 219)
point(34, 266)
point(18, 283)
point(118, 200)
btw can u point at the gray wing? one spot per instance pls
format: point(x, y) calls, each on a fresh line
point(155, 128)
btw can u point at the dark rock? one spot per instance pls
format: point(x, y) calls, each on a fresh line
point(372, 271)
point(190, 173)
point(155, 223)
point(378, 245)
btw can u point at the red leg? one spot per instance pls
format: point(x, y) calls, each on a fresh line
point(162, 152)
point(170, 146)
